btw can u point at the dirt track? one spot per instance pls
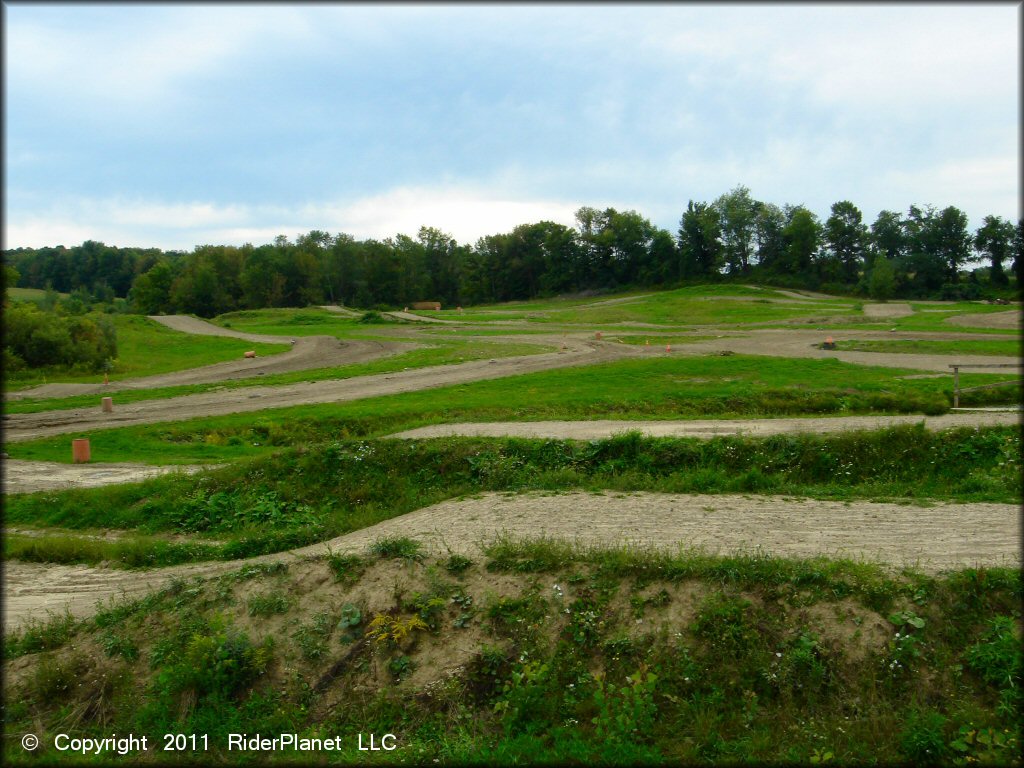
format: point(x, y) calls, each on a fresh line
point(594, 430)
point(577, 351)
point(19, 427)
point(31, 476)
point(306, 353)
point(944, 536)
point(1011, 319)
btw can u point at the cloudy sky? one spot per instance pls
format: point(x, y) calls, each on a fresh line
point(175, 125)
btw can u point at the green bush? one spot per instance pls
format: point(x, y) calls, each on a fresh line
point(922, 739)
point(39, 339)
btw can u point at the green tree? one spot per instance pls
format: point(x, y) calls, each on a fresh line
point(10, 280)
point(700, 244)
point(953, 240)
point(442, 261)
point(151, 292)
point(801, 235)
point(1018, 252)
point(846, 237)
point(771, 244)
point(887, 238)
point(882, 284)
point(262, 280)
point(995, 240)
point(737, 211)
point(922, 264)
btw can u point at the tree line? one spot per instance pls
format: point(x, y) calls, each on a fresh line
point(924, 253)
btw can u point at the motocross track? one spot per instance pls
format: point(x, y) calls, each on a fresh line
point(573, 349)
point(306, 353)
point(937, 537)
point(932, 538)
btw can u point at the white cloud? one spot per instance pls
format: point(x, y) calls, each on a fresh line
point(463, 213)
point(977, 185)
point(855, 57)
point(137, 57)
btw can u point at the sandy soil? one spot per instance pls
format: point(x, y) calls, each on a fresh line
point(594, 430)
point(1011, 319)
point(935, 538)
point(888, 310)
point(30, 476)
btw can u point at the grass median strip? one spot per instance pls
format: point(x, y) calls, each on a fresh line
point(450, 352)
point(302, 495)
point(663, 388)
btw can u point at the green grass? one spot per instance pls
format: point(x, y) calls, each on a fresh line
point(34, 295)
point(131, 552)
point(697, 305)
point(146, 348)
point(449, 352)
point(934, 347)
point(299, 496)
point(663, 388)
point(311, 321)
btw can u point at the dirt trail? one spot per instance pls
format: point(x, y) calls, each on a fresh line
point(421, 318)
point(797, 294)
point(18, 427)
point(1011, 319)
point(791, 342)
point(30, 476)
point(888, 310)
point(595, 430)
point(306, 353)
point(341, 310)
point(935, 538)
point(577, 351)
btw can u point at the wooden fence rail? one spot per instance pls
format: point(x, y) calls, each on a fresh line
point(956, 379)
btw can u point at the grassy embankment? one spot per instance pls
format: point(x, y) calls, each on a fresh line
point(302, 495)
point(543, 652)
point(146, 348)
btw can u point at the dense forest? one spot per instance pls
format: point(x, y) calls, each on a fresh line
point(925, 253)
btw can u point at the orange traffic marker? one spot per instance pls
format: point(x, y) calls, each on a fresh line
point(80, 451)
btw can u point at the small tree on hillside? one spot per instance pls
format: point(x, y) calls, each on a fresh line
point(882, 285)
